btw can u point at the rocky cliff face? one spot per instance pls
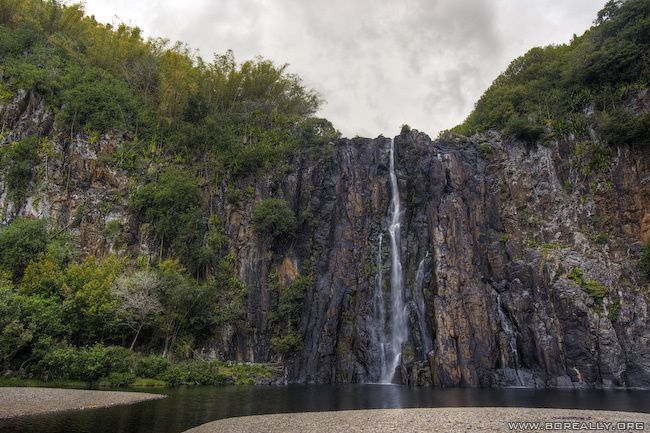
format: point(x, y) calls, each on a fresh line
point(528, 259)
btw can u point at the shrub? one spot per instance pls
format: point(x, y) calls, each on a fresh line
point(644, 261)
point(172, 206)
point(152, 366)
point(234, 195)
point(85, 363)
point(59, 363)
point(622, 126)
point(552, 246)
point(44, 277)
point(274, 218)
point(246, 374)
point(195, 373)
point(485, 149)
point(590, 158)
point(614, 310)
point(99, 360)
point(21, 242)
point(287, 344)
point(95, 100)
point(523, 129)
point(140, 382)
point(117, 380)
point(112, 230)
point(285, 317)
point(315, 131)
point(19, 159)
point(595, 289)
point(601, 239)
point(13, 338)
point(13, 41)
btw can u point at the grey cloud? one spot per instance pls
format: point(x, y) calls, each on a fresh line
point(377, 63)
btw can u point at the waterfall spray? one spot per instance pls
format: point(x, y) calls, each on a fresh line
point(398, 320)
point(510, 336)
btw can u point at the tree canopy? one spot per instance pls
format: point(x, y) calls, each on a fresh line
point(549, 89)
point(169, 103)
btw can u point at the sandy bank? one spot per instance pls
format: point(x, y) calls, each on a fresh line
point(20, 401)
point(443, 420)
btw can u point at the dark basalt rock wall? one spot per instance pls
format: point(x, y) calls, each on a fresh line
point(504, 223)
point(503, 232)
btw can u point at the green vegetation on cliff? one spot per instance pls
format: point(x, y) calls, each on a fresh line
point(191, 135)
point(170, 104)
point(182, 125)
point(549, 91)
point(181, 128)
point(68, 318)
point(644, 261)
point(274, 218)
point(18, 160)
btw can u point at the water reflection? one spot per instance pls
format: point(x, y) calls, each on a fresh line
point(188, 407)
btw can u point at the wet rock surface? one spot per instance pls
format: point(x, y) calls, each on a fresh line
point(504, 223)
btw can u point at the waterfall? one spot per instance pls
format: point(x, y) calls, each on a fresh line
point(510, 336)
point(389, 322)
point(398, 320)
point(418, 295)
point(377, 330)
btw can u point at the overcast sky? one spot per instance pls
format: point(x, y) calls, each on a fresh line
point(377, 63)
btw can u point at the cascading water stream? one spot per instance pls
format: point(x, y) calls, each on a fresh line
point(418, 295)
point(398, 320)
point(510, 336)
point(377, 330)
point(389, 322)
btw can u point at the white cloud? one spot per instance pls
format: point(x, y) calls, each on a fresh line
point(377, 63)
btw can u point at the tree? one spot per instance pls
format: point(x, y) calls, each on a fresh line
point(284, 319)
point(552, 86)
point(90, 306)
point(274, 218)
point(178, 296)
point(223, 304)
point(95, 100)
point(13, 338)
point(19, 158)
point(172, 206)
point(139, 296)
point(13, 334)
point(21, 242)
point(44, 277)
point(608, 11)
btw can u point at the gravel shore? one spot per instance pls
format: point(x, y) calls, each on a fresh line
point(20, 401)
point(439, 420)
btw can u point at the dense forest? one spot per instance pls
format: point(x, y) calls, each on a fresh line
point(188, 129)
point(186, 126)
point(554, 91)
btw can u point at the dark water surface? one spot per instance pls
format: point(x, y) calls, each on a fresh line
point(188, 407)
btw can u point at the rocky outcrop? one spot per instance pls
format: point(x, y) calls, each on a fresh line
point(529, 272)
point(75, 186)
point(505, 224)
